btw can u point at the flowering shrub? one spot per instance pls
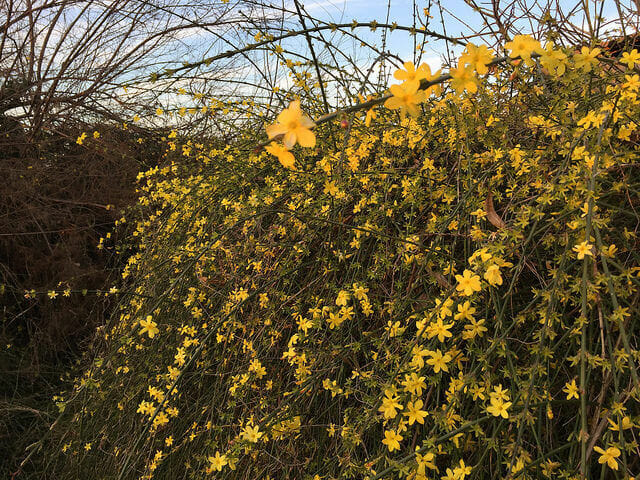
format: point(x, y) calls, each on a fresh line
point(446, 291)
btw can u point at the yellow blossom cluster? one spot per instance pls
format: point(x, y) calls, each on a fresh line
point(445, 294)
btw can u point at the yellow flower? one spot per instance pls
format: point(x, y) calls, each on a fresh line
point(159, 111)
point(146, 408)
point(523, 46)
point(625, 132)
point(343, 298)
point(392, 440)
point(476, 328)
point(415, 412)
point(251, 434)
point(498, 407)
point(330, 188)
point(418, 352)
point(335, 320)
point(285, 157)
point(81, 138)
point(591, 120)
point(478, 57)
point(439, 361)
point(499, 392)
point(389, 404)
point(218, 461)
point(371, 114)
point(294, 126)
point(586, 58)
point(148, 326)
point(444, 308)
point(631, 58)
point(608, 456)
point(492, 275)
point(440, 330)
point(627, 423)
point(304, 324)
point(571, 389)
point(425, 461)
point(462, 470)
point(413, 384)
point(412, 76)
point(156, 393)
point(632, 83)
point(583, 249)
point(463, 78)
point(553, 60)
point(406, 98)
point(468, 283)
point(360, 292)
point(161, 419)
point(465, 311)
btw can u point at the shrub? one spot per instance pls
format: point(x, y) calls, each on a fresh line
point(447, 295)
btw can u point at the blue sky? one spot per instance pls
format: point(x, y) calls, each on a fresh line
point(400, 11)
point(459, 19)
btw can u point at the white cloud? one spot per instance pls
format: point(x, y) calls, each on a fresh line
point(335, 7)
point(324, 4)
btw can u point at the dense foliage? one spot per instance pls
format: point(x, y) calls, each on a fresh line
point(448, 295)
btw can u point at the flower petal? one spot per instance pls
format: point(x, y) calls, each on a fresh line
point(392, 103)
point(306, 138)
point(289, 139)
point(307, 122)
point(275, 130)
